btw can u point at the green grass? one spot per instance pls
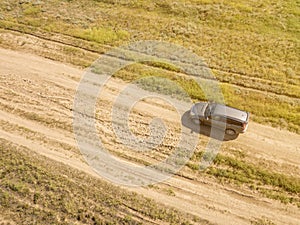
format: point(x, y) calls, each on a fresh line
point(30, 10)
point(101, 35)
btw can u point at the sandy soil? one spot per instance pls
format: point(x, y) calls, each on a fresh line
point(36, 100)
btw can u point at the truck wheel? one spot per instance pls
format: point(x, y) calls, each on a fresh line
point(196, 121)
point(230, 132)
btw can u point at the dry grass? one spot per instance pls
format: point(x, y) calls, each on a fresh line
point(47, 192)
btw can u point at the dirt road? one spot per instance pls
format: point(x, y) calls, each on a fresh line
point(36, 101)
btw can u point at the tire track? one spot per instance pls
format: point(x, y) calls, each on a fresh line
point(203, 196)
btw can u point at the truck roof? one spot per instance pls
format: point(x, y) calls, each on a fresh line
point(231, 112)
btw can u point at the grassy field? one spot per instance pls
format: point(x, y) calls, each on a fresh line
point(252, 47)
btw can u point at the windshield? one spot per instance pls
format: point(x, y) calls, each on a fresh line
point(209, 110)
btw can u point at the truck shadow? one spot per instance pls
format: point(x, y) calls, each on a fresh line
point(205, 130)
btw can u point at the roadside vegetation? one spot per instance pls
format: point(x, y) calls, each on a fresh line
point(271, 108)
point(237, 170)
point(38, 191)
